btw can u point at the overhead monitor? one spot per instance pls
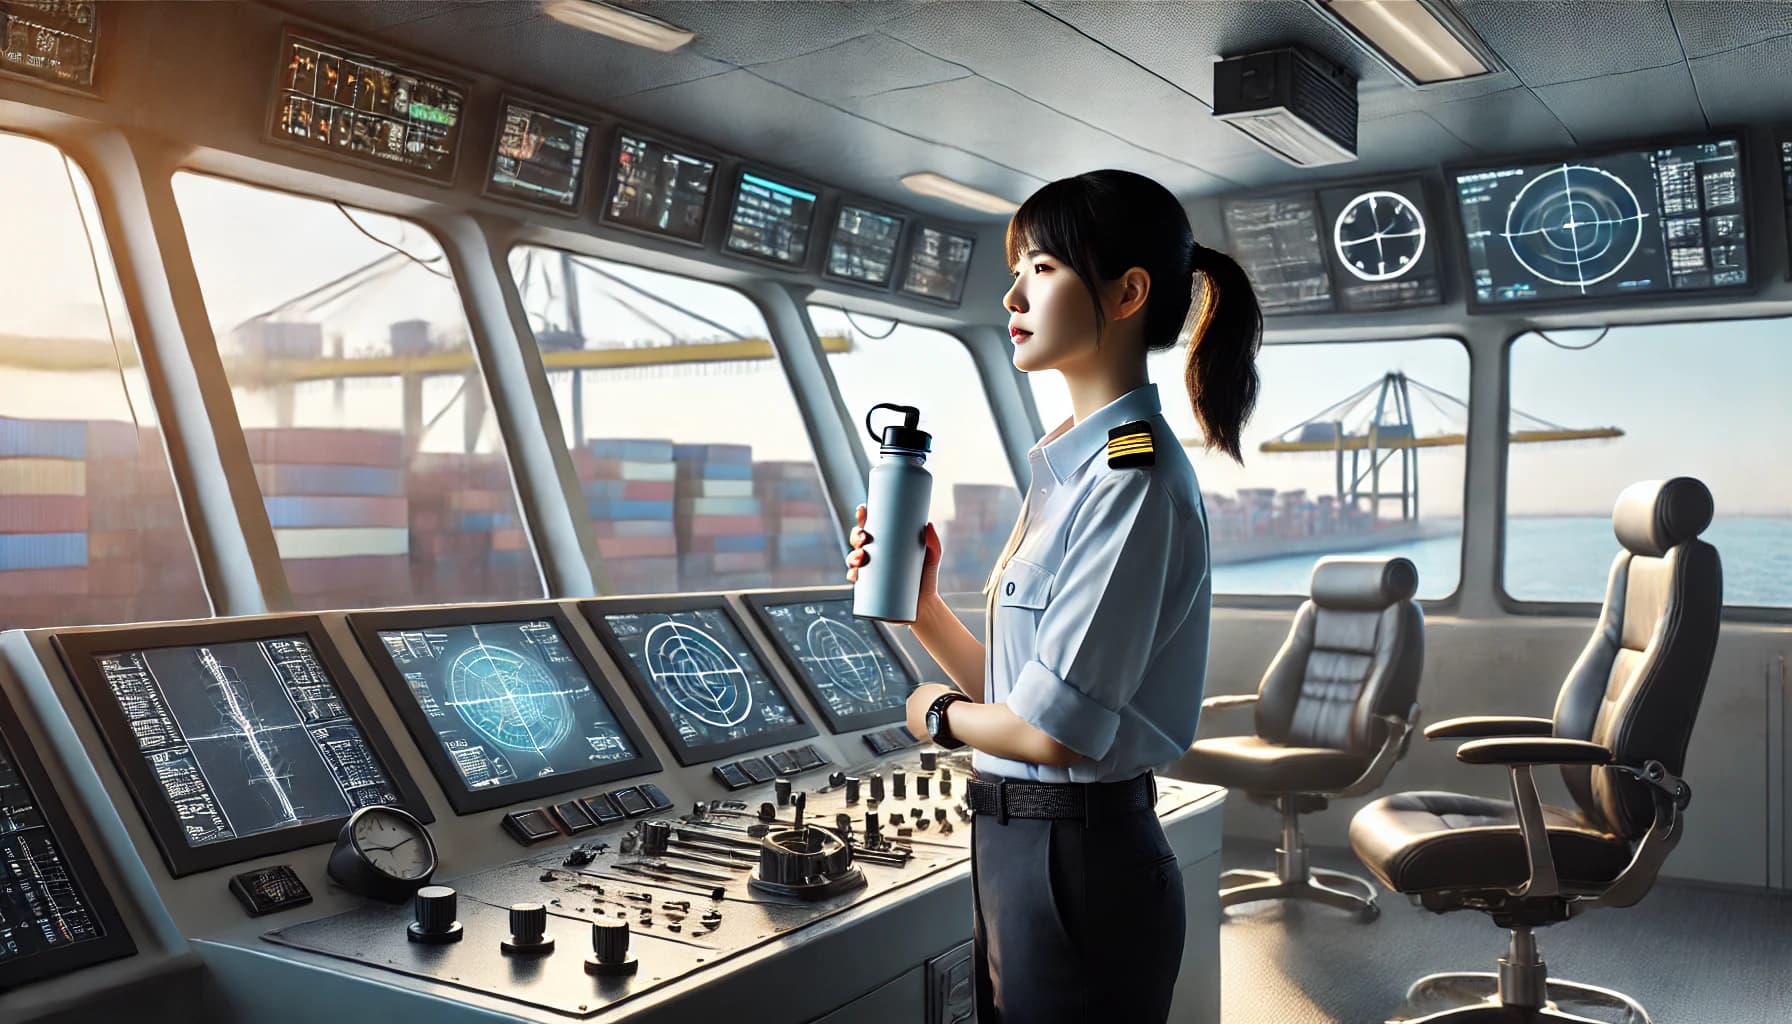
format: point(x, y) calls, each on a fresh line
point(1381, 241)
point(1651, 221)
point(938, 262)
point(54, 43)
point(237, 739)
point(863, 247)
point(849, 666)
point(705, 687)
point(366, 108)
point(505, 701)
point(657, 188)
point(1786, 178)
point(770, 220)
point(1278, 242)
point(539, 157)
point(55, 913)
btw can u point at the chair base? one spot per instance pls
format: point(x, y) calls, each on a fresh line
point(1296, 878)
point(1521, 992)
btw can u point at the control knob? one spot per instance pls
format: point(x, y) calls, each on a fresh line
point(654, 836)
point(899, 784)
point(921, 784)
point(609, 948)
point(528, 930)
point(852, 789)
point(930, 760)
point(877, 785)
point(782, 788)
point(434, 907)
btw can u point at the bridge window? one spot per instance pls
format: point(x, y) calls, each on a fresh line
point(1355, 448)
point(348, 353)
point(975, 502)
point(90, 528)
point(1595, 411)
point(689, 448)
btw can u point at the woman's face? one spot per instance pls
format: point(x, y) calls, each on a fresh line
point(1051, 319)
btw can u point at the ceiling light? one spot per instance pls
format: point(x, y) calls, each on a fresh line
point(1422, 41)
point(929, 184)
point(619, 23)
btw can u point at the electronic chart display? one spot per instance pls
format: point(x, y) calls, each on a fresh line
point(1381, 242)
point(1279, 244)
point(503, 701)
point(863, 248)
point(658, 189)
point(237, 740)
point(539, 158)
point(704, 685)
point(1637, 222)
point(938, 262)
point(770, 220)
point(365, 108)
point(55, 915)
point(50, 42)
point(848, 665)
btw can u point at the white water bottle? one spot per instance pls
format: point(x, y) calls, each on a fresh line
point(898, 498)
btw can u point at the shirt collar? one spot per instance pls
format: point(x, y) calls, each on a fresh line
point(1067, 447)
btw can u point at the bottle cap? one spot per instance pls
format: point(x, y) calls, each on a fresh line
point(903, 438)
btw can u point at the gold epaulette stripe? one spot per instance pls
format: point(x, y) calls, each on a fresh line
point(1131, 439)
point(1117, 447)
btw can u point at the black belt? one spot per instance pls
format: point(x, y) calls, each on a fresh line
point(1009, 798)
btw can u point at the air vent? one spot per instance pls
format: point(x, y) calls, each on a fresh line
point(1294, 103)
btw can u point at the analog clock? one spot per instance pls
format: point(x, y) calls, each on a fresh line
point(1379, 236)
point(383, 852)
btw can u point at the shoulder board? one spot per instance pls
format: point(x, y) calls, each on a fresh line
point(1129, 445)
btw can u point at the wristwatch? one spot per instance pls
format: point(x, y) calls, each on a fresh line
point(937, 728)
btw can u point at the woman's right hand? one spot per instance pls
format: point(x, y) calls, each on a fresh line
point(930, 563)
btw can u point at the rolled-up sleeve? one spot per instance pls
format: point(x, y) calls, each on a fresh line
point(1096, 635)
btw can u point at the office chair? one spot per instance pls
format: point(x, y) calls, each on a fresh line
point(1334, 712)
point(1619, 734)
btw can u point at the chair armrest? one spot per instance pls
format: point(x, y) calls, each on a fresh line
point(1230, 700)
point(1529, 751)
point(1393, 744)
point(1482, 726)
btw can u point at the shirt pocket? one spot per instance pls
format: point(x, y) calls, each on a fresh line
point(1025, 585)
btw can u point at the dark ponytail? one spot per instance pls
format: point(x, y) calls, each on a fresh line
point(1102, 224)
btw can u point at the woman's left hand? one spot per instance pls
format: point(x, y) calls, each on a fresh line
point(918, 702)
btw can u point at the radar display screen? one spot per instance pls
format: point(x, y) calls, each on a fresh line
point(846, 664)
point(540, 157)
point(235, 745)
point(938, 262)
point(770, 220)
point(1646, 221)
point(658, 189)
point(704, 685)
point(1380, 243)
point(1277, 241)
point(52, 41)
point(503, 701)
point(864, 245)
point(55, 914)
point(368, 109)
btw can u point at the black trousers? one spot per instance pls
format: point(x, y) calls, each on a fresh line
point(1075, 921)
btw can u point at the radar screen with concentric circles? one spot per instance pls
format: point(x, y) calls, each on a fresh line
point(1380, 245)
point(845, 663)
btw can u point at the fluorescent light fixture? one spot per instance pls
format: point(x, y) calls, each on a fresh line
point(929, 184)
point(619, 23)
point(1422, 41)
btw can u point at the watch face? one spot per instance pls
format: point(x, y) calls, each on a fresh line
point(394, 844)
point(1379, 236)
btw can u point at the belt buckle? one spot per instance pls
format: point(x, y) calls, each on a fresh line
point(1002, 800)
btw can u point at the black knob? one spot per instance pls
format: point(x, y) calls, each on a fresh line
point(434, 907)
point(899, 784)
point(872, 819)
point(930, 760)
point(767, 812)
point(945, 774)
point(921, 784)
point(654, 836)
point(877, 785)
point(609, 948)
point(798, 804)
point(528, 928)
point(843, 824)
point(946, 786)
point(852, 789)
point(836, 779)
point(939, 814)
point(782, 788)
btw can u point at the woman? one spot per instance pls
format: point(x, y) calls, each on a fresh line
point(1097, 610)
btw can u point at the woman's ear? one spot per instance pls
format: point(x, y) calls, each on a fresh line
point(1128, 294)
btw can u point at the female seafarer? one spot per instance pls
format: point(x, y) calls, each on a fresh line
point(1097, 610)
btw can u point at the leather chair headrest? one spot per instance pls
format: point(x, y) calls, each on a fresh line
point(1655, 515)
point(1366, 584)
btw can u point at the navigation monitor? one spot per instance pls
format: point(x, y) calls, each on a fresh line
point(54, 43)
point(849, 666)
point(938, 262)
point(539, 158)
point(708, 693)
point(365, 108)
point(1636, 222)
point(55, 914)
point(770, 220)
point(863, 247)
point(1381, 243)
point(504, 701)
point(1786, 176)
point(236, 739)
point(1277, 242)
point(657, 189)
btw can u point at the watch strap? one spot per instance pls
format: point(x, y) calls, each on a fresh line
point(938, 729)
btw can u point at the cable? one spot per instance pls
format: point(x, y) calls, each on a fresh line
point(868, 335)
point(93, 260)
point(1574, 348)
point(425, 264)
point(662, 300)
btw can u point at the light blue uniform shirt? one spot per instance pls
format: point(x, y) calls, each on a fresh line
point(1098, 623)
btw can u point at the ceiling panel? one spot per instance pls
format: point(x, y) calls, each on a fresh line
point(1658, 101)
point(1503, 122)
point(1748, 84)
point(865, 66)
point(1546, 43)
point(746, 32)
point(1708, 26)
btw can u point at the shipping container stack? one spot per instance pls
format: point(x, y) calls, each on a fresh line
point(805, 548)
point(629, 485)
point(972, 539)
point(466, 541)
point(722, 542)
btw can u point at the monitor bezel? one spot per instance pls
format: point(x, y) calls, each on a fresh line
point(80, 650)
point(367, 627)
point(759, 602)
point(1311, 193)
point(115, 939)
point(401, 58)
point(491, 190)
point(1666, 296)
point(915, 234)
point(898, 260)
point(594, 611)
point(740, 173)
point(709, 203)
point(1441, 224)
point(1782, 137)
